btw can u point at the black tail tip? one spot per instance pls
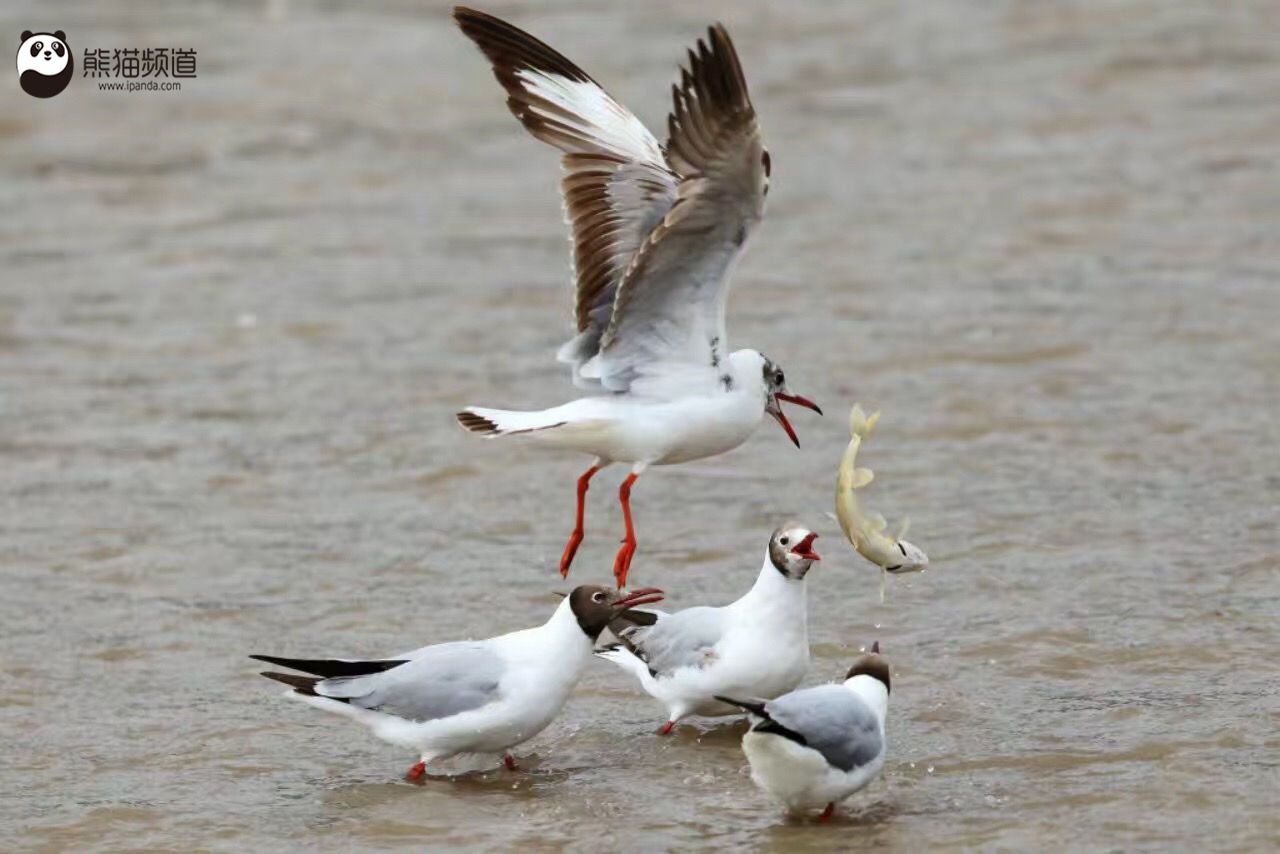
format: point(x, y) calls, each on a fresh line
point(304, 685)
point(473, 423)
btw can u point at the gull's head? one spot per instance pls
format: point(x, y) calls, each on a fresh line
point(791, 550)
point(871, 664)
point(595, 606)
point(775, 391)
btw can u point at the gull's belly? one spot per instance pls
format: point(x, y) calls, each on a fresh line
point(692, 429)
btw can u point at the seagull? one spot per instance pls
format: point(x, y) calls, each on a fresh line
point(819, 745)
point(656, 231)
point(756, 647)
point(468, 696)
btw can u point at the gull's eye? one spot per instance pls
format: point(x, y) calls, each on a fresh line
point(784, 540)
point(599, 597)
point(779, 378)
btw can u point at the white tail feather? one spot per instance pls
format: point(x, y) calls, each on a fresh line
point(504, 422)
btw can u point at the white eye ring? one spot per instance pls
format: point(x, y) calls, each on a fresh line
point(599, 597)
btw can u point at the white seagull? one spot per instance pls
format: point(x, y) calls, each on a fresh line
point(756, 647)
point(469, 696)
point(656, 232)
point(819, 745)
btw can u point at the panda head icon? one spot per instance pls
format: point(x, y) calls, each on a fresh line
point(45, 64)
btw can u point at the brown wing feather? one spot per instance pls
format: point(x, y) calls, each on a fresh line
point(677, 279)
point(616, 185)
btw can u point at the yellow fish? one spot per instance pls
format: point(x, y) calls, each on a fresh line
point(866, 530)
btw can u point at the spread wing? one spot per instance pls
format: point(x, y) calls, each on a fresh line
point(670, 302)
point(440, 681)
point(616, 185)
point(684, 639)
point(831, 720)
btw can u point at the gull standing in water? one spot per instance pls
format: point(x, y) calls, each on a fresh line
point(819, 745)
point(656, 231)
point(756, 647)
point(469, 696)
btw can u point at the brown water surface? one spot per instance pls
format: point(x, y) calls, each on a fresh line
point(235, 321)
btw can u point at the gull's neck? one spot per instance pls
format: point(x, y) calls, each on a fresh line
point(872, 692)
point(774, 593)
point(563, 636)
point(742, 368)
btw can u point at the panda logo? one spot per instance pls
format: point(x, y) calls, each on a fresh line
point(45, 64)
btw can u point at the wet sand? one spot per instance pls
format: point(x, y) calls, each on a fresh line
point(235, 322)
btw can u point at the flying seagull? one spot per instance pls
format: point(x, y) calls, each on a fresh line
point(656, 231)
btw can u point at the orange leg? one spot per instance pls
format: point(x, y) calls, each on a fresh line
point(666, 728)
point(416, 773)
point(622, 562)
point(826, 814)
point(575, 539)
point(510, 762)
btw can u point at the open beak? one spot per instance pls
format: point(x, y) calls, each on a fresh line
point(799, 401)
point(639, 596)
point(776, 411)
point(804, 548)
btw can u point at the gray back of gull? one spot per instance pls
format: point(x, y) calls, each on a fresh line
point(833, 721)
point(441, 681)
point(683, 639)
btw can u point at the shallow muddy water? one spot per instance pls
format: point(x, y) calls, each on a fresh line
point(235, 321)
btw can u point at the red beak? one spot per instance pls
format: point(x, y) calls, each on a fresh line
point(639, 596)
point(786, 425)
point(776, 411)
point(799, 401)
point(804, 548)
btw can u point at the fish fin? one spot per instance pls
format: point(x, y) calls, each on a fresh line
point(833, 517)
point(861, 477)
point(904, 527)
point(877, 522)
point(861, 424)
point(857, 421)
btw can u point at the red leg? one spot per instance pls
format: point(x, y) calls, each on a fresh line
point(826, 814)
point(575, 539)
point(510, 762)
point(416, 773)
point(622, 562)
point(667, 727)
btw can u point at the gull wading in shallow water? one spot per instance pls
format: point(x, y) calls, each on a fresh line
point(656, 232)
point(756, 647)
point(470, 696)
point(819, 745)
